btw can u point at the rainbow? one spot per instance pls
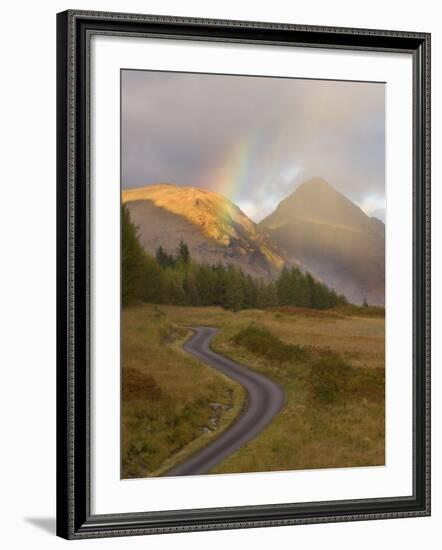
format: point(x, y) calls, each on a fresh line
point(232, 171)
point(236, 163)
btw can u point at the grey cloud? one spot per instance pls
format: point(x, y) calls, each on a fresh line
point(179, 127)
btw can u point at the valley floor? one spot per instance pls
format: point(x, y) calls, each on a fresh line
point(330, 363)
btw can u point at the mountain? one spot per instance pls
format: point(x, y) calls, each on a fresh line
point(212, 226)
point(333, 238)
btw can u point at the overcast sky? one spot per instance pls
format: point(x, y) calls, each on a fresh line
point(254, 139)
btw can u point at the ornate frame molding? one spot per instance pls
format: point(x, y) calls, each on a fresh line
point(74, 29)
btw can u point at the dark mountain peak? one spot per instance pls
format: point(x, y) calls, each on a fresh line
point(319, 202)
point(319, 190)
point(315, 185)
point(314, 192)
point(333, 238)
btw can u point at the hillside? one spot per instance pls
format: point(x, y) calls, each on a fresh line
point(333, 238)
point(212, 226)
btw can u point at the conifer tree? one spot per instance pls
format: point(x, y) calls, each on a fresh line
point(250, 291)
point(284, 287)
point(220, 285)
point(132, 260)
point(163, 258)
point(183, 254)
point(234, 293)
point(272, 298)
point(190, 285)
point(205, 282)
point(152, 281)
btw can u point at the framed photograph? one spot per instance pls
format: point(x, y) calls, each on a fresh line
point(243, 274)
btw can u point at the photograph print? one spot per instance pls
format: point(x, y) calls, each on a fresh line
point(252, 274)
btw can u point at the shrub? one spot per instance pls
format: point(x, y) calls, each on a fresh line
point(329, 378)
point(367, 384)
point(169, 333)
point(260, 341)
point(138, 385)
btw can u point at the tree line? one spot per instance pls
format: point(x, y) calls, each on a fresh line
point(177, 279)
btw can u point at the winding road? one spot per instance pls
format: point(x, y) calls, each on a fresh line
point(265, 399)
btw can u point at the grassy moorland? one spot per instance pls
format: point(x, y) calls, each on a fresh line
point(330, 362)
point(171, 403)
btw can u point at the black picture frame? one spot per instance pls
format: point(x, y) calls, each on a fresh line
point(74, 518)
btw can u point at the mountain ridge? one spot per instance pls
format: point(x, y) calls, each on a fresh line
point(333, 238)
point(315, 228)
point(215, 229)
